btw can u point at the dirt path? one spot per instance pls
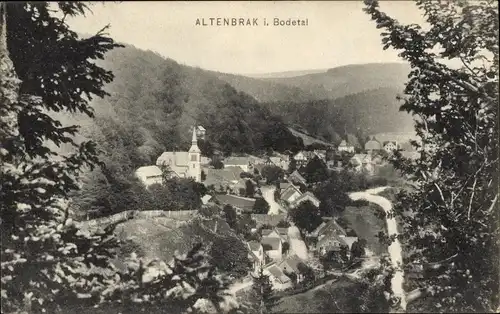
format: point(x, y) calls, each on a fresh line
point(395, 251)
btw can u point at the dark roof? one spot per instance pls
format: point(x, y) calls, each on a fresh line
point(289, 192)
point(243, 203)
point(277, 273)
point(254, 245)
point(266, 232)
point(296, 175)
point(327, 227)
point(264, 219)
point(270, 243)
point(284, 185)
point(291, 261)
point(282, 231)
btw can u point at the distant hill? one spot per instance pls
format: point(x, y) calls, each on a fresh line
point(349, 79)
point(360, 114)
point(285, 74)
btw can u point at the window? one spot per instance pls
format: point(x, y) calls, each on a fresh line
point(194, 165)
point(194, 157)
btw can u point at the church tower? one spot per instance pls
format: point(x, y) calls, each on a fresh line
point(194, 153)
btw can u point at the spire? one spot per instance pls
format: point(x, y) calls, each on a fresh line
point(194, 140)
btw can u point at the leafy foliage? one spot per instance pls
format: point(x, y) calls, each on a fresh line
point(305, 216)
point(260, 206)
point(451, 215)
point(231, 256)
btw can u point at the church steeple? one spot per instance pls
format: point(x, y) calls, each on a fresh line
point(194, 143)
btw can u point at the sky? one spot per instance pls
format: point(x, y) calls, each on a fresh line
point(337, 33)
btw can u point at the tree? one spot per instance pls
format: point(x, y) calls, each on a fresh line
point(285, 248)
point(230, 255)
point(263, 291)
point(47, 259)
point(249, 188)
point(305, 216)
point(455, 193)
point(306, 272)
point(260, 206)
point(230, 216)
point(203, 176)
point(43, 254)
point(358, 249)
point(315, 170)
point(217, 164)
point(272, 174)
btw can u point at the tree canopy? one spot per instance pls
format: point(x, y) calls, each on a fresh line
point(451, 215)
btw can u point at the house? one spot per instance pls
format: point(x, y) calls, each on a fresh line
point(222, 178)
point(278, 279)
point(149, 175)
point(279, 162)
point(256, 254)
point(321, 153)
point(273, 247)
point(290, 194)
point(244, 163)
point(284, 185)
point(308, 196)
point(390, 146)
point(373, 145)
point(205, 161)
point(302, 157)
point(241, 204)
point(200, 132)
point(296, 178)
point(362, 162)
point(345, 147)
point(291, 265)
point(183, 164)
point(410, 155)
point(283, 232)
point(270, 233)
point(265, 219)
point(330, 236)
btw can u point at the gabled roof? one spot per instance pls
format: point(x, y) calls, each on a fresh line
point(291, 264)
point(284, 185)
point(270, 243)
point(289, 191)
point(390, 142)
point(282, 231)
point(266, 232)
point(254, 245)
point(200, 128)
point(243, 203)
point(148, 171)
point(173, 159)
point(219, 176)
point(237, 161)
point(278, 274)
point(348, 241)
point(298, 176)
point(306, 196)
point(373, 144)
point(343, 143)
point(327, 227)
point(265, 219)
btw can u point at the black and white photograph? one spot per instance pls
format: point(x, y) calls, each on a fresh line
point(249, 157)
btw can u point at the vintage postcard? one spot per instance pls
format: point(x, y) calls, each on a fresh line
point(249, 157)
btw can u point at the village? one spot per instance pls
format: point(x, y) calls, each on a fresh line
point(266, 188)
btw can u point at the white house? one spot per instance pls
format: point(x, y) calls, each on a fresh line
point(390, 146)
point(290, 194)
point(256, 255)
point(149, 175)
point(272, 247)
point(244, 163)
point(345, 147)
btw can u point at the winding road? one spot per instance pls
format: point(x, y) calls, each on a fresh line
point(394, 249)
point(268, 195)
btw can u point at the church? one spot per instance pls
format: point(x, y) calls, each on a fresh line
point(180, 164)
point(183, 164)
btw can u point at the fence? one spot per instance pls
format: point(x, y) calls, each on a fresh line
point(131, 214)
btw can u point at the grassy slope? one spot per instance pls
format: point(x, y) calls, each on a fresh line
point(364, 221)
